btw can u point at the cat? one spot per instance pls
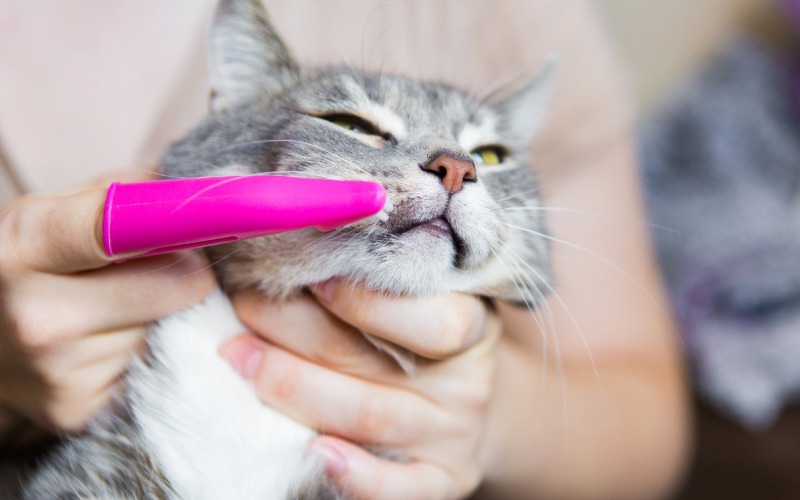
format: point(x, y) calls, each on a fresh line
point(188, 426)
point(721, 170)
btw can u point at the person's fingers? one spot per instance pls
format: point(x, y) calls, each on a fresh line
point(362, 475)
point(69, 399)
point(58, 234)
point(365, 411)
point(76, 402)
point(117, 296)
point(434, 326)
point(64, 359)
point(305, 328)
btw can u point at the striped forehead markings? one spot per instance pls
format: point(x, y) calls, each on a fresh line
point(475, 135)
point(384, 119)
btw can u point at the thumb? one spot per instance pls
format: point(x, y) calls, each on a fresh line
point(56, 233)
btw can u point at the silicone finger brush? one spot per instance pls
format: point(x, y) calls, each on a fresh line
point(151, 218)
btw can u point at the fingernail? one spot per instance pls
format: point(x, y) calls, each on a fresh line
point(334, 459)
point(325, 290)
point(244, 355)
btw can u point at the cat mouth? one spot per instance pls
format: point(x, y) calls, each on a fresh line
point(440, 227)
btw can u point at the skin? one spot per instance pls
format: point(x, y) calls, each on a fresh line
point(494, 413)
point(70, 319)
point(486, 410)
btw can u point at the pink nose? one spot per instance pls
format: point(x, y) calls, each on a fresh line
point(452, 171)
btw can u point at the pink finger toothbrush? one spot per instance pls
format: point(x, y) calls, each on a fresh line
point(152, 218)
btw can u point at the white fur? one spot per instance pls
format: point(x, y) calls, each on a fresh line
point(384, 118)
point(473, 136)
point(207, 431)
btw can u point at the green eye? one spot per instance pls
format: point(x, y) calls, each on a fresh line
point(353, 123)
point(489, 155)
point(351, 126)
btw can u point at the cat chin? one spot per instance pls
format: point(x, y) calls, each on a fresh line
point(407, 270)
point(416, 264)
point(420, 276)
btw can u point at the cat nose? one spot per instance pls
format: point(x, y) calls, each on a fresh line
point(453, 172)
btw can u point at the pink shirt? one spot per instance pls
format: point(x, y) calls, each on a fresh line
point(87, 86)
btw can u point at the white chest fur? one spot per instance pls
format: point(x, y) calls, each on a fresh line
point(203, 424)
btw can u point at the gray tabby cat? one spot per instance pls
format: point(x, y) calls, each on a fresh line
point(189, 427)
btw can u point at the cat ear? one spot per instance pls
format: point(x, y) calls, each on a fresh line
point(246, 58)
point(523, 105)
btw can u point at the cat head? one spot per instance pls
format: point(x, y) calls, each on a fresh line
point(455, 168)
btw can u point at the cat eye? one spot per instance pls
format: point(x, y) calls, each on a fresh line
point(488, 155)
point(355, 124)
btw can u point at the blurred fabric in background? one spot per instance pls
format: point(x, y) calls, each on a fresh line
point(717, 89)
point(662, 42)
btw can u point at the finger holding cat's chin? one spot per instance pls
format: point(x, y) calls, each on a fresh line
point(436, 326)
point(366, 411)
point(301, 326)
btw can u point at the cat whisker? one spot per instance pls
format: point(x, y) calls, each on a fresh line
point(542, 299)
point(299, 173)
point(165, 267)
point(156, 173)
point(292, 141)
point(597, 215)
point(530, 304)
point(522, 194)
point(384, 31)
point(387, 55)
point(538, 319)
point(613, 266)
point(204, 268)
point(211, 265)
point(293, 173)
point(502, 82)
point(332, 235)
point(323, 27)
point(573, 320)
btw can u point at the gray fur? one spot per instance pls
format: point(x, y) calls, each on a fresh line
point(270, 118)
point(247, 137)
point(247, 59)
point(109, 462)
point(722, 171)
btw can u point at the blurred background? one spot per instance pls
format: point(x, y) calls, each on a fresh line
point(734, 126)
point(662, 42)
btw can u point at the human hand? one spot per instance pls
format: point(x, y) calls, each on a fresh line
point(309, 360)
point(69, 320)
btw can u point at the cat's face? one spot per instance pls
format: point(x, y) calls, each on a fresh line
point(454, 168)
